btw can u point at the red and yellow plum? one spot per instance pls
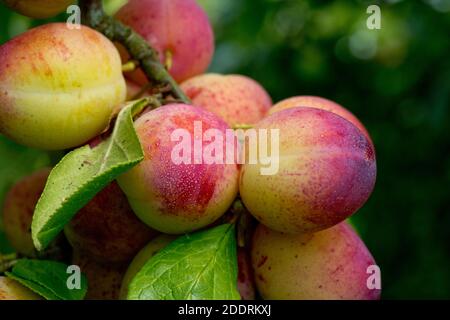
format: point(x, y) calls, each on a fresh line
point(52, 96)
point(178, 29)
point(326, 172)
point(180, 196)
point(18, 211)
point(107, 230)
point(320, 103)
point(103, 279)
point(331, 264)
point(236, 99)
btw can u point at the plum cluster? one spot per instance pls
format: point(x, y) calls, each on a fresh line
point(59, 89)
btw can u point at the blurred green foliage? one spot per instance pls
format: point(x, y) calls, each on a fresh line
point(396, 80)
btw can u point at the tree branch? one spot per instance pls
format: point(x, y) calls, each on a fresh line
point(94, 16)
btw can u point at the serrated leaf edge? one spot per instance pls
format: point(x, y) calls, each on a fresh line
point(38, 235)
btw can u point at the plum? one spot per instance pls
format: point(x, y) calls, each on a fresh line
point(178, 29)
point(107, 230)
point(245, 283)
point(174, 196)
point(59, 87)
point(18, 210)
point(330, 264)
point(326, 172)
point(235, 98)
point(103, 279)
point(320, 103)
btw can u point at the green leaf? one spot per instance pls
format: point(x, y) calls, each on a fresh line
point(84, 172)
point(200, 266)
point(48, 279)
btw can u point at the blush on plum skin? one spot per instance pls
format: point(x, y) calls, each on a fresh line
point(245, 283)
point(320, 103)
point(18, 210)
point(107, 230)
point(177, 198)
point(104, 279)
point(178, 29)
point(327, 172)
point(330, 264)
point(236, 99)
point(52, 96)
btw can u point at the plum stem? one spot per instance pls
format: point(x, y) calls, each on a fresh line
point(169, 59)
point(243, 126)
point(94, 16)
point(242, 219)
point(129, 66)
point(244, 224)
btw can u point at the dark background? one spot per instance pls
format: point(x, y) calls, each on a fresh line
point(396, 80)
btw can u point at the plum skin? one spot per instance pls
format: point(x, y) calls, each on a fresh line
point(246, 282)
point(320, 103)
point(327, 171)
point(103, 279)
point(178, 198)
point(179, 28)
point(107, 230)
point(59, 88)
point(330, 264)
point(18, 210)
point(236, 99)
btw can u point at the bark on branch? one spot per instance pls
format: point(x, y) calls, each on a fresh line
point(95, 17)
